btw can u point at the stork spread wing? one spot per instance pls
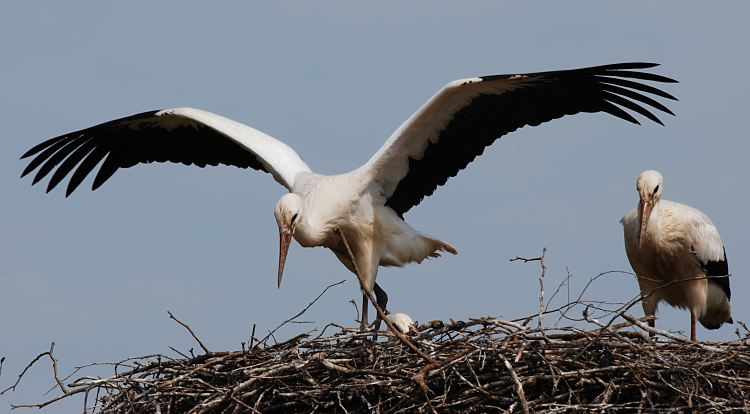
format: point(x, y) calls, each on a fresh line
point(186, 135)
point(467, 115)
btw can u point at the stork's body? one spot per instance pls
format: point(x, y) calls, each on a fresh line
point(677, 255)
point(376, 235)
point(364, 207)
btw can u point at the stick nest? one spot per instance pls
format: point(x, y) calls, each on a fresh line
point(480, 365)
point(483, 365)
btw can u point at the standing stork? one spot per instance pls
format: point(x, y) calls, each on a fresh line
point(677, 255)
point(359, 214)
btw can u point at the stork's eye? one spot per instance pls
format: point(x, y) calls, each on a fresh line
point(656, 188)
point(294, 217)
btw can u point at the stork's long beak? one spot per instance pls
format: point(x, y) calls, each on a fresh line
point(285, 237)
point(646, 207)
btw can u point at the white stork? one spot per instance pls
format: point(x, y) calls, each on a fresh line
point(367, 204)
point(677, 255)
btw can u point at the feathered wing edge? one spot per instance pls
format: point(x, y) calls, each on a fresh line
point(186, 135)
point(457, 123)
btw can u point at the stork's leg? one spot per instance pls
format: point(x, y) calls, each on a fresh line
point(692, 326)
point(382, 298)
point(651, 322)
point(366, 280)
point(363, 324)
point(649, 301)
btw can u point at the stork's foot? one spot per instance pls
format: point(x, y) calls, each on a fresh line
point(365, 327)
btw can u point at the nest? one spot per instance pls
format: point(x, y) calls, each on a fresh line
point(482, 365)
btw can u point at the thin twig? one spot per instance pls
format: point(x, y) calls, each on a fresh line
point(186, 326)
point(252, 337)
point(540, 259)
point(270, 333)
point(54, 369)
point(30, 364)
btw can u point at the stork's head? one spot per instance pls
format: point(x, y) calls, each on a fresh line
point(288, 212)
point(649, 186)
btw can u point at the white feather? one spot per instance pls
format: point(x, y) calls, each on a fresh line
point(277, 157)
point(401, 321)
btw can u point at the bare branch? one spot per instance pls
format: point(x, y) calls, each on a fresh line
point(186, 326)
point(540, 259)
point(270, 334)
point(54, 369)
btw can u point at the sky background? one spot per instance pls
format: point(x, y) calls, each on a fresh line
point(97, 272)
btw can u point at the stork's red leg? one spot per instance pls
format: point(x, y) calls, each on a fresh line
point(692, 326)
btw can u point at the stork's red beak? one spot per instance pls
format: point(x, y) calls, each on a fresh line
point(646, 207)
point(285, 237)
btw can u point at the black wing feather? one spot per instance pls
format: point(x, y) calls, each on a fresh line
point(57, 158)
point(86, 166)
point(638, 97)
point(70, 162)
point(50, 148)
point(637, 86)
point(553, 95)
point(128, 141)
point(619, 100)
point(718, 273)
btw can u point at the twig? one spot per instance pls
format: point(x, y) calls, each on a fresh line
point(632, 319)
point(540, 259)
point(178, 351)
point(518, 386)
point(54, 369)
point(252, 338)
point(186, 326)
point(270, 333)
point(356, 309)
point(50, 354)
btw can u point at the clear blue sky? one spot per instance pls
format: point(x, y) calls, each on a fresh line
point(97, 272)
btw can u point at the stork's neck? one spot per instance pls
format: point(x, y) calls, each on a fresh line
point(309, 235)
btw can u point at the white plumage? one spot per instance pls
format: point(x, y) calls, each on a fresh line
point(401, 321)
point(365, 205)
point(678, 256)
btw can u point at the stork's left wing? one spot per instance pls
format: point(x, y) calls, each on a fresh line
point(467, 115)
